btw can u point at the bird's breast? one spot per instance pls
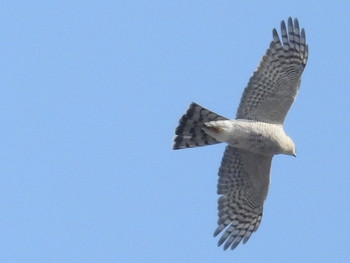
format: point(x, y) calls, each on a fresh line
point(257, 137)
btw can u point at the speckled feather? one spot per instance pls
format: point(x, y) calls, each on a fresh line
point(274, 85)
point(243, 186)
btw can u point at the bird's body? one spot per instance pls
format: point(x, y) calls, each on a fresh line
point(257, 137)
point(254, 137)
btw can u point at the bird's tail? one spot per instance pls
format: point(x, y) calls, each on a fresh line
point(190, 131)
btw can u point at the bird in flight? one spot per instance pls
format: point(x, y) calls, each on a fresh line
point(254, 137)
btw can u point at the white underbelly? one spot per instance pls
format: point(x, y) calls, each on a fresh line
point(258, 137)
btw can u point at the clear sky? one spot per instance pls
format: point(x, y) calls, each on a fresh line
point(91, 92)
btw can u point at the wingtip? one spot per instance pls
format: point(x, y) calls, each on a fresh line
point(221, 241)
point(303, 36)
point(275, 35)
point(283, 25)
point(296, 24)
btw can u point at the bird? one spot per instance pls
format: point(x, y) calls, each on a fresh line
point(253, 137)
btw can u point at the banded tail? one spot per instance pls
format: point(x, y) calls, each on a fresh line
point(190, 131)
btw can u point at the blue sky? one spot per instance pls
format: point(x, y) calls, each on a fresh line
point(91, 92)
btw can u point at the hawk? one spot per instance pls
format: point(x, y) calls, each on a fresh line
point(254, 137)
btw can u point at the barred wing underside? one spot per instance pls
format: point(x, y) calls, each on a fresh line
point(273, 87)
point(243, 186)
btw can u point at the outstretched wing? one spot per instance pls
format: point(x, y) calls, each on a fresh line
point(274, 85)
point(243, 186)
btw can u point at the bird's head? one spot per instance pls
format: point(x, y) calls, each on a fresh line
point(289, 147)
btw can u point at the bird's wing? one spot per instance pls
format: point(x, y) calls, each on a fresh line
point(243, 186)
point(274, 85)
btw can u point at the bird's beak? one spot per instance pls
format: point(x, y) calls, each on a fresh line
point(294, 155)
